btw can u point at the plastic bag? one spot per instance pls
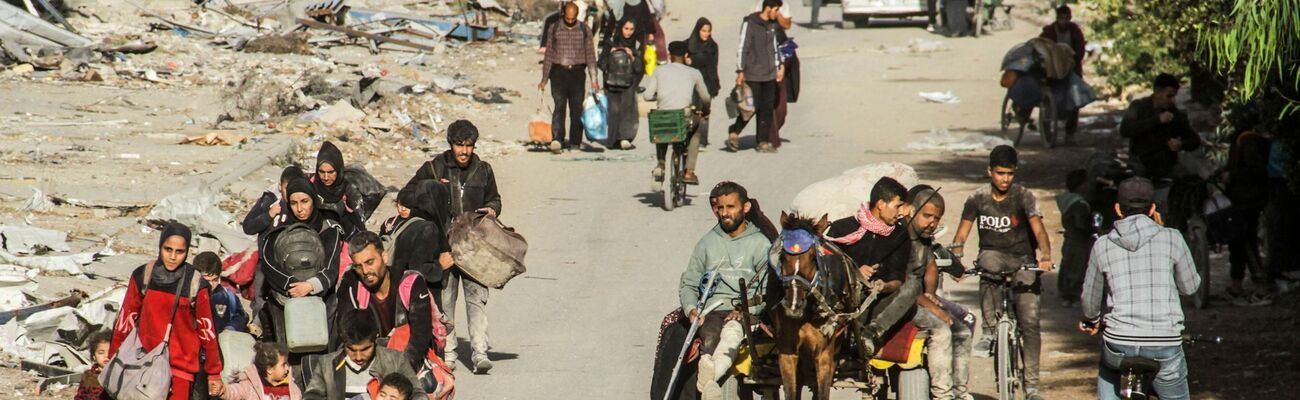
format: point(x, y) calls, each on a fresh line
point(650, 60)
point(539, 126)
point(595, 112)
point(1080, 92)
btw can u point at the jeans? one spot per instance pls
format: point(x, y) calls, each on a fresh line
point(1026, 301)
point(1170, 383)
point(623, 116)
point(568, 88)
point(939, 346)
point(764, 109)
point(476, 298)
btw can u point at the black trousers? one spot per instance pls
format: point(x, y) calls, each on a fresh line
point(764, 110)
point(568, 87)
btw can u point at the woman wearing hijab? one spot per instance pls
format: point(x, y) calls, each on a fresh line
point(332, 189)
point(150, 297)
point(623, 114)
point(420, 240)
point(704, 57)
point(302, 198)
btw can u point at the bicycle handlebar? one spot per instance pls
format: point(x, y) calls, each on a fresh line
point(1190, 338)
point(1023, 267)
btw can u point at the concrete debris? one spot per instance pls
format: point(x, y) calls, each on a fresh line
point(341, 113)
point(190, 206)
point(942, 140)
point(38, 202)
point(940, 97)
point(293, 43)
point(23, 28)
point(840, 196)
point(33, 240)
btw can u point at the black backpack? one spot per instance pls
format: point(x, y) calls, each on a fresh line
point(621, 71)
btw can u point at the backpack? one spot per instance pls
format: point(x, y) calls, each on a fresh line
point(620, 72)
point(438, 380)
point(299, 251)
point(390, 240)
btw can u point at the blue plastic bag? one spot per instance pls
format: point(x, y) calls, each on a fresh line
point(595, 117)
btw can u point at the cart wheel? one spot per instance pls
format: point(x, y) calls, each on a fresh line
point(1047, 119)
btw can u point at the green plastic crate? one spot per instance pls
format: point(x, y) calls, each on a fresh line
point(667, 126)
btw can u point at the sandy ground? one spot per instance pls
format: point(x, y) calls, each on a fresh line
point(605, 260)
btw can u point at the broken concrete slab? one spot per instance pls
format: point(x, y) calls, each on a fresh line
point(31, 239)
point(341, 113)
point(26, 29)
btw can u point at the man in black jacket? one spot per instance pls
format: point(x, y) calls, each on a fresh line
point(1157, 130)
point(473, 188)
point(371, 284)
point(881, 251)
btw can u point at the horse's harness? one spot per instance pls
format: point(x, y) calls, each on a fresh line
point(803, 241)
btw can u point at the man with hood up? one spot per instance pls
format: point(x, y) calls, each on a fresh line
point(1145, 266)
point(151, 295)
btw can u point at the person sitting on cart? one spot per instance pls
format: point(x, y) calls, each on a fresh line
point(734, 249)
point(949, 325)
point(872, 239)
point(677, 86)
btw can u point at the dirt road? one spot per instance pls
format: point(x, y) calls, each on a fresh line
point(605, 260)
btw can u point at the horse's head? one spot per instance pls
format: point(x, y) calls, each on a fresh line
point(794, 259)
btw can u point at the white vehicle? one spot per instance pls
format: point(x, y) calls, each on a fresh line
point(859, 12)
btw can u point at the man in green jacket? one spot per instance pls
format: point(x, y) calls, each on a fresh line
point(734, 249)
point(345, 374)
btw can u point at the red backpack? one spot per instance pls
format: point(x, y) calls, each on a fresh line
point(435, 370)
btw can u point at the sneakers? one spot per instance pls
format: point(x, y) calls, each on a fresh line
point(1032, 394)
point(733, 145)
point(556, 147)
point(625, 145)
point(984, 347)
point(481, 364)
point(765, 148)
point(658, 173)
point(1243, 299)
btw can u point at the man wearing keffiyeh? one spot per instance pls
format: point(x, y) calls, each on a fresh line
point(875, 242)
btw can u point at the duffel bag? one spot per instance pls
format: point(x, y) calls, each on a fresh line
point(486, 250)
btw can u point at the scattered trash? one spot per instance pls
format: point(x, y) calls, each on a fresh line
point(916, 46)
point(129, 156)
point(942, 140)
point(216, 139)
point(940, 97)
point(67, 264)
point(33, 240)
point(38, 202)
point(840, 196)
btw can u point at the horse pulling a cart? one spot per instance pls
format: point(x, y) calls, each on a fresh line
point(810, 335)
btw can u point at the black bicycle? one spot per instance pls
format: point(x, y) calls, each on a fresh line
point(1008, 369)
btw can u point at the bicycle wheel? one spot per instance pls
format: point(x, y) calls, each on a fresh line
point(1047, 119)
point(1200, 247)
point(1008, 117)
point(670, 179)
point(679, 173)
point(1004, 368)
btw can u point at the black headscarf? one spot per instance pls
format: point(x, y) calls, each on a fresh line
point(160, 274)
point(329, 153)
point(428, 201)
point(699, 45)
point(302, 185)
point(633, 42)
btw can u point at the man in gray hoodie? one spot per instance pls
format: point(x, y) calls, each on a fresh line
point(734, 249)
point(1146, 266)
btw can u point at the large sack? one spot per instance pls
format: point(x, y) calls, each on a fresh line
point(366, 190)
point(840, 196)
point(486, 250)
point(1056, 59)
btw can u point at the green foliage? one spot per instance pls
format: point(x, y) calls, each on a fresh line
point(1150, 37)
point(1259, 46)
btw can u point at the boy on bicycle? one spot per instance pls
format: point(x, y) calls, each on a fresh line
point(1010, 227)
point(677, 86)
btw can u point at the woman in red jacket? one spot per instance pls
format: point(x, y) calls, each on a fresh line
point(149, 302)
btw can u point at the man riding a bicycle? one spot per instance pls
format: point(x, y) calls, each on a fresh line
point(1146, 266)
point(677, 86)
point(1010, 227)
